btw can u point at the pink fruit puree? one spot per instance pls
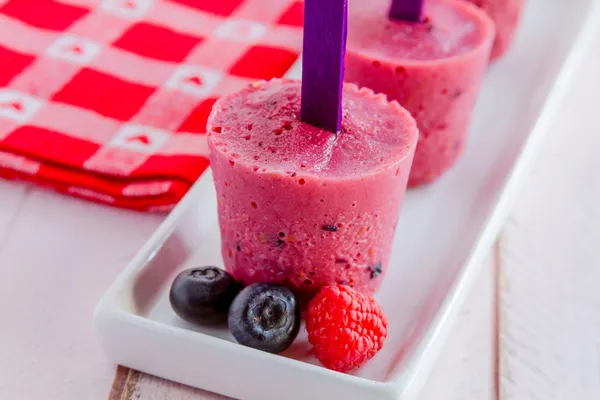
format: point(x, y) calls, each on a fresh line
point(303, 206)
point(434, 69)
point(506, 14)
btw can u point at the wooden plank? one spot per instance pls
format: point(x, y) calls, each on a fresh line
point(12, 197)
point(550, 303)
point(140, 386)
point(466, 368)
point(58, 255)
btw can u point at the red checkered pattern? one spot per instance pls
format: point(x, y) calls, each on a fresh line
point(108, 100)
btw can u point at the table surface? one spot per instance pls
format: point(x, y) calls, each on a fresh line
point(533, 333)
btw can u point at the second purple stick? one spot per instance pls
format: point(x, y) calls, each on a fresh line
point(407, 10)
point(325, 32)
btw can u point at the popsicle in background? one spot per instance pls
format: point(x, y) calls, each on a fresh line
point(506, 14)
point(429, 56)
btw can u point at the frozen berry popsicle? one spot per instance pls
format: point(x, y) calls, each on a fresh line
point(433, 67)
point(506, 14)
point(300, 205)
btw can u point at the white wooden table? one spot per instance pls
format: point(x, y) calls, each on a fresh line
point(57, 256)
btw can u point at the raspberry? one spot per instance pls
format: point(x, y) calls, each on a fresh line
point(346, 328)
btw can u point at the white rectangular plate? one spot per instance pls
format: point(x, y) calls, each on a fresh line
point(445, 230)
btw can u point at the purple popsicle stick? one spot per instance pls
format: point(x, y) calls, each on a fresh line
point(325, 32)
point(407, 10)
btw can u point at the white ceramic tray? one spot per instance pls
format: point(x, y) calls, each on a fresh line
point(444, 232)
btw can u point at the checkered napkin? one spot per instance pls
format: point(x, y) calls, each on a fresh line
point(108, 100)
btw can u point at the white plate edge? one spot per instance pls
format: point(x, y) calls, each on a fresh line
point(427, 351)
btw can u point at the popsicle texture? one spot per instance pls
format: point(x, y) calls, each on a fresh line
point(434, 69)
point(506, 14)
point(303, 206)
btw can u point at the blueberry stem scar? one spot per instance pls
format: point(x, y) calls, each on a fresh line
point(324, 48)
point(407, 10)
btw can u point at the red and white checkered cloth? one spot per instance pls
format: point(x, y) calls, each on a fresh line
point(108, 99)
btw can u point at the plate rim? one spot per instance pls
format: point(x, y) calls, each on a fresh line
point(407, 382)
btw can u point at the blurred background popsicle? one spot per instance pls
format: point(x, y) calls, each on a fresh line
point(506, 14)
point(433, 67)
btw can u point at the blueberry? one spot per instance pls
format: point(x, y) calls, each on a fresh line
point(265, 317)
point(203, 295)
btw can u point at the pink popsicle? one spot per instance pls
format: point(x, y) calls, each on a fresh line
point(407, 10)
point(301, 205)
point(433, 68)
point(506, 14)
